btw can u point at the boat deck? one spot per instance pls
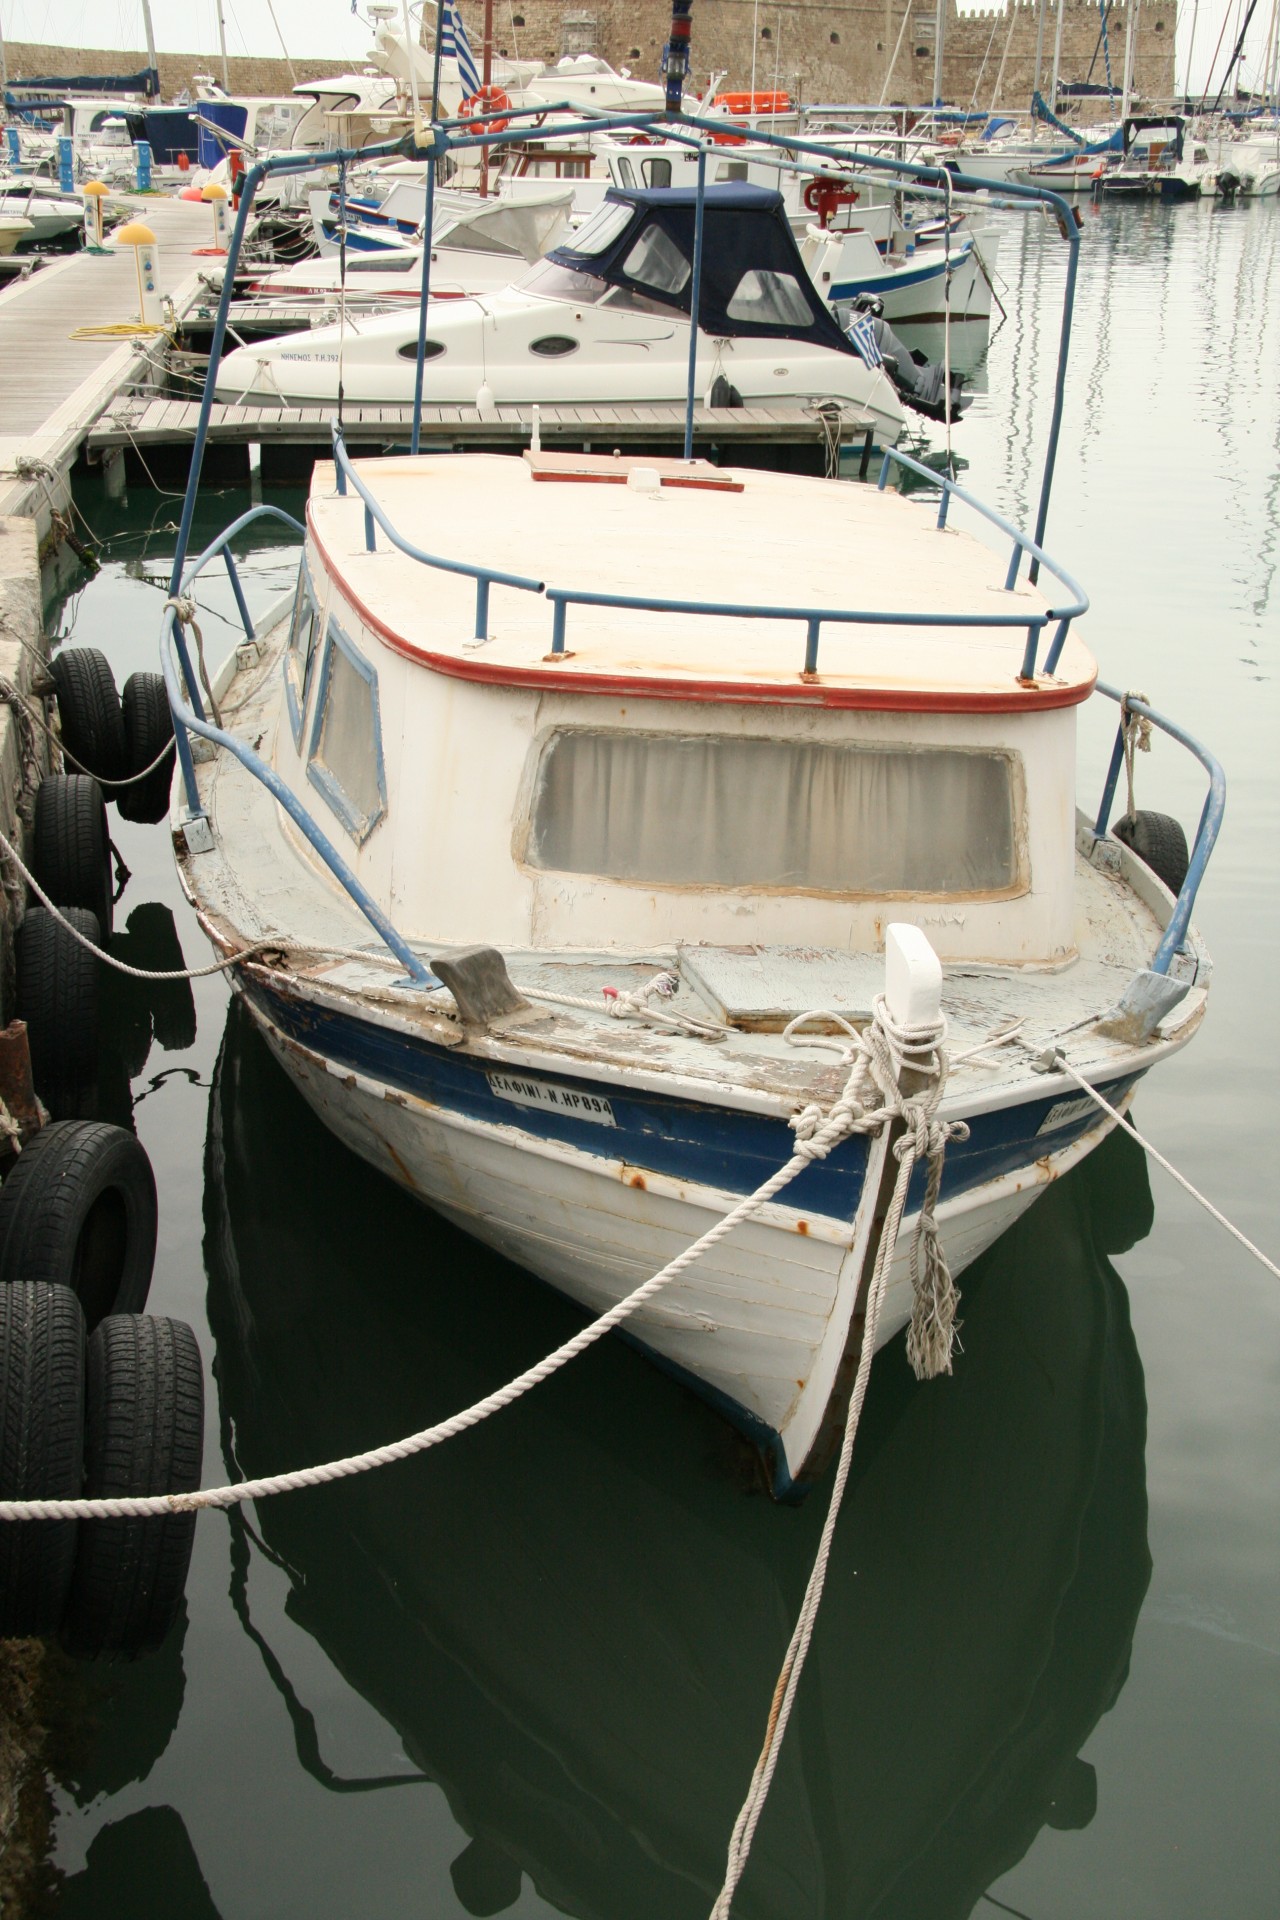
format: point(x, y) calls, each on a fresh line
point(762, 539)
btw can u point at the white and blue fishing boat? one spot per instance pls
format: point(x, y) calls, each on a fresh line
point(546, 740)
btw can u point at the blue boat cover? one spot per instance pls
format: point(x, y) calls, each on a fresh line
point(754, 283)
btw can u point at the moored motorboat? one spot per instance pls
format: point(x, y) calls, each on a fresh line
point(605, 319)
point(696, 810)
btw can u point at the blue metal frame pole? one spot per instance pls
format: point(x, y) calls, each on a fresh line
point(428, 222)
point(694, 299)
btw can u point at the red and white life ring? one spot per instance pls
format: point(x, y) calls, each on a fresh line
point(484, 105)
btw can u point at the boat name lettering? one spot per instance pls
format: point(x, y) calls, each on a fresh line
point(551, 1098)
point(1065, 1112)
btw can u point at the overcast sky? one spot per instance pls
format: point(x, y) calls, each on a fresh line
point(327, 28)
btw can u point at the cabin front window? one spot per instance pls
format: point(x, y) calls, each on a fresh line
point(681, 811)
point(346, 737)
point(656, 261)
point(298, 657)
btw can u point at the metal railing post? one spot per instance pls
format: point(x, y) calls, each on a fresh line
point(424, 297)
point(245, 616)
point(370, 542)
point(811, 645)
point(1109, 789)
point(482, 608)
point(1015, 561)
point(694, 298)
point(557, 624)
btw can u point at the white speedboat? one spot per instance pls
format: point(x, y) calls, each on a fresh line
point(49, 215)
point(1163, 160)
point(603, 320)
point(13, 230)
point(582, 738)
point(910, 280)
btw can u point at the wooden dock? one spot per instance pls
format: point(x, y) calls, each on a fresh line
point(52, 387)
point(289, 439)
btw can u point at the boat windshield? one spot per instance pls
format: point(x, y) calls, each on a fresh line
point(553, 282)
point(604, 226)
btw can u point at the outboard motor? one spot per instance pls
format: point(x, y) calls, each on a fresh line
point(917, 380)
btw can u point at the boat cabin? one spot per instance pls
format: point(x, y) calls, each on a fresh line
point(712, 707)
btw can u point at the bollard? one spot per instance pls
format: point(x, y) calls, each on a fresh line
point(94, 195)
point(142, 164)
point(146, 255)
point(66, 163)
point(217, 199)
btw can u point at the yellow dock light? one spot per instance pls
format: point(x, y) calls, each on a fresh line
point(147, 259)
point(94, 195)
point(217, 198)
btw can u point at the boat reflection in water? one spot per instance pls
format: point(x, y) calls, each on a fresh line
point(573, 1616)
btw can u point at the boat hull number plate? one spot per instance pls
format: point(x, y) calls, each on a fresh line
point(1065, 1112)
point(547, 1097)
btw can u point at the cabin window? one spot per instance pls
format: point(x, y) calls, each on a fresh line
point(346, 737)
point(673, 810)
point(731, 170)
point(301, 648)
point(431, 351)
point(603, 227)
point(656, 261)
point(626, 172)
point(770, 299)
point(657, 173)
point(553, 346)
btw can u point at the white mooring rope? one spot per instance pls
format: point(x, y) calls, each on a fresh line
point(816, 1135)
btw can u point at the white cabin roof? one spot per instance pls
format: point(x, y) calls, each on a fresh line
point(729, 536)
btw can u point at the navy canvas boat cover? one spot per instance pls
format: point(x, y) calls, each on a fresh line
point(754, 283)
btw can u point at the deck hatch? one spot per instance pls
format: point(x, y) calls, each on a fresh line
point(718, 811)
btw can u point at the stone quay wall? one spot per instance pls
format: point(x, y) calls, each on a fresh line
point(839, 51)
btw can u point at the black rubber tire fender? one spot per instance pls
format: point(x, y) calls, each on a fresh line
point(89, 710)
point(144, 1434)
point(42, 1366)
point(148, 726)
point(70, 845)
point(1159, 842)
point(57, 995)
point(78, 1209)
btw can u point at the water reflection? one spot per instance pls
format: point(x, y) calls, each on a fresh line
point(573, 1617)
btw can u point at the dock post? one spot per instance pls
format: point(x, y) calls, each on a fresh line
point(142, 165)
point(66, 164)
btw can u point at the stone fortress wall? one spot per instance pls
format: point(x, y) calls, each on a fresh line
point(838, 51)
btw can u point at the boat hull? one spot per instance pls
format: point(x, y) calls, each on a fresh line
point(594, 1210)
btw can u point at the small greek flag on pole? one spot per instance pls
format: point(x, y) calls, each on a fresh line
point(455, 44)
point(862, 333)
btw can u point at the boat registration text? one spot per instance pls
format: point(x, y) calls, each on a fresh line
point(551, 1098)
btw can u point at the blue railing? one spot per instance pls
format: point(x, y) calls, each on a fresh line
point(813, 618)
point(189, 717)
point(1215, 801)
point(374, 515)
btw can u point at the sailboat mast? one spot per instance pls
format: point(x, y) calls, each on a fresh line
point(4, 66)
point(151, 41)
point(1044, 8)
point(939, 35)
point(1057, 58)
point(1130, 37)
point(222, 42)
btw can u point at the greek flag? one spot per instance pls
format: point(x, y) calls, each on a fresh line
point(862, 333)
point(455, 44)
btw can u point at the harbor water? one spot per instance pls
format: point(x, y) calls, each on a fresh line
point(528, 1673)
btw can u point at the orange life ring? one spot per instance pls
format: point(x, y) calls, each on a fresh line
point(484, 106)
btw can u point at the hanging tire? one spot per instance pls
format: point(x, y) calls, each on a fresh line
point(144, 1433)
point(148, 727)
point(1159, 842)
point(41, 1449)
point(78, 1209)
point(57, 996)
point(70, 845)
point(89, 710)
